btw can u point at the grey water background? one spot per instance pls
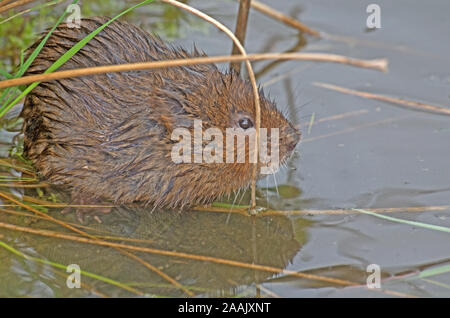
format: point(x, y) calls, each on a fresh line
point(379, 156)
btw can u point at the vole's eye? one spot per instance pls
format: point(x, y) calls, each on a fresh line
point(245, 123)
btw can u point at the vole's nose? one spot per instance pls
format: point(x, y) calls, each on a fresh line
point(292, 138)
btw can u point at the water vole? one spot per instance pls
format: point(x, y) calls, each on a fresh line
point(108, 136)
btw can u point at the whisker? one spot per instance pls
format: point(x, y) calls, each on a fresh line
point(276, 183)
point(235, 198)
point(243, 194)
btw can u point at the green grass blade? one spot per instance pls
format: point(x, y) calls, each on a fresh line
point(437, 283)
point(429, 273)
point(412, 223)
point(35, 8)
point(64, 267)
point(433, 271)
point(66, 56)
point(38, 49)
point(5, 74)
point(27, 64)
point(229, 205)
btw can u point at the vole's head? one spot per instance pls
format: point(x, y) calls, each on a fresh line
point(230, 104)
point(221, 106)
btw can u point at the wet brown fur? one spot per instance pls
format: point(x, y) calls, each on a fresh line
point(108, 136)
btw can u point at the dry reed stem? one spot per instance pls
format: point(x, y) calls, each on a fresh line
point(8, 164)
point(376, 64)
point(244, 211)
point(22, 185)
point(85, 286)
point(402, 102)
point(240, 31)
point(353, 41)
point(352, 129)
point(46, 216)
point(4, 2)
point(92, 237)
point(63, 205)
point(213, 209)
point(211, 259)
point(342, 116)
point(336, 117)
point(26, 11)
point(322, 212)
point(267, 291)
point(346, 211)
point(37, 217)
point(265, 9)
point(105, 237)
point(177, 254)
point(158, 271)
point(13, 5)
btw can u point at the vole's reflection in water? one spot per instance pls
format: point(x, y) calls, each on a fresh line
point(263, 240)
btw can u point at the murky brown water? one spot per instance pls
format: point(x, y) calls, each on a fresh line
point(376, 156)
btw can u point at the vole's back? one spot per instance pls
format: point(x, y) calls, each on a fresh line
point(100, 101)
point(94, 131)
